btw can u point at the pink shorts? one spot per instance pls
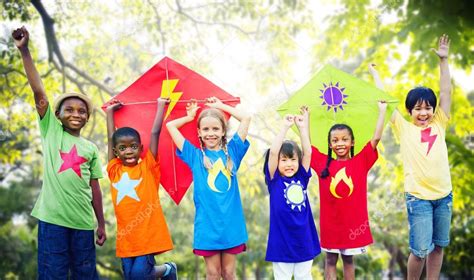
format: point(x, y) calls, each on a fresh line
point(208, 253)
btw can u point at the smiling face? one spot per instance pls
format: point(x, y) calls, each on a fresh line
point(73, 115)
point(422, 114)
point(288, 165)
point(341, 142)
point(128, 148)
point(211, 132)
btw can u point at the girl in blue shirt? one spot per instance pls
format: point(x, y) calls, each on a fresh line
point(219, 224)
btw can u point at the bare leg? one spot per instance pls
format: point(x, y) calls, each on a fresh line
point(434, 263)
point(415, 267)
point(213, 267)
point(228, 266)
point(349, 269)
point(330, 272)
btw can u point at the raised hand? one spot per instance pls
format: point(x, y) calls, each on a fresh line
point(114, 105)
point(21, 37)
point(443, 47)
point(382, 106)
point(191, 108)
point(372, 69)
point(213, 102)
point(163, 100)
point(303, 119)
point(289, 120)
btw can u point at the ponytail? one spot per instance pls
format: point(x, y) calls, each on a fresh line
point(230, 164)
point(325, 172)
point(206, 160)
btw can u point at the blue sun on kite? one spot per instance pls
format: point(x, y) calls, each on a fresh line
point(333, 96)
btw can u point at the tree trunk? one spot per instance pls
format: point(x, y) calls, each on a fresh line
point(402, 263)
point(244, 270)
point(196, 267)
point(257, 272)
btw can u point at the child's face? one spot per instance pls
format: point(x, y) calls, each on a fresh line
point(422, 114)
point(211, 132)
point(288, 166)
point(73, 114)
point(128, 150)
point(341, 142)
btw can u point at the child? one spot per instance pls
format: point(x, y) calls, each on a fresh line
point(70, 191)
point(424, 153)
point(292, 240)
point(141, 227)
point(219, 224)
point(344, 222)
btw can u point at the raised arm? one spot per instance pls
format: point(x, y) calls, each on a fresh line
point(376, 76)
point(174, 125)
point(379, 126)
point(157, 123)
point(379, 85)
point(21, 38)
point(274, 152)
point(302, 122)
point(114, 106)
point(242, 117)
point(444, 76)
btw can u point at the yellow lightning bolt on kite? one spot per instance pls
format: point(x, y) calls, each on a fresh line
point(167, 92)
point(341, 176)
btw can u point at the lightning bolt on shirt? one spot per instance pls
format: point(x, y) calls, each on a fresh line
point(292, 236)
point(424, 156)
point(344, 219)
point(219, 221)
point(69, 163)
point(141, 225)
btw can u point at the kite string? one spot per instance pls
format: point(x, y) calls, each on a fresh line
point(182, 101)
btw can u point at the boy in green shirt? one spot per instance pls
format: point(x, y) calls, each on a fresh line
point(71, 191)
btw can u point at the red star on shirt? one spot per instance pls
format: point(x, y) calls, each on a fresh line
point(72, 160)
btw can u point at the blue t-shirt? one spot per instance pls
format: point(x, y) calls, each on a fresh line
point(292, 236)
point(219, 221)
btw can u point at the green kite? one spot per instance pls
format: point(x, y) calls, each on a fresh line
point(334, 96)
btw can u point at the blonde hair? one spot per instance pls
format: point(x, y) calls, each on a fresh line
point(217, 114)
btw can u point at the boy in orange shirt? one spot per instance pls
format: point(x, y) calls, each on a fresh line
point(141, 227)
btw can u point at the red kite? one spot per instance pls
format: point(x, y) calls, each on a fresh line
point(169, 79)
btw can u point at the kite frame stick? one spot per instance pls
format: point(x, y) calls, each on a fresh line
point(172, 144)
point(181, 101)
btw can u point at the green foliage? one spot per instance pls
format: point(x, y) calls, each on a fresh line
point(115, 43)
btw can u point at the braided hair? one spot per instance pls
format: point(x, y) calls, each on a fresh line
point(215, 113)
point(325, 172)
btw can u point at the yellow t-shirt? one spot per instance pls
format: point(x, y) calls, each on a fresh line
point(425, 156)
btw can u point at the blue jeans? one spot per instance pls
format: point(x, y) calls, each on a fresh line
point(141, 267)
point(429, 221)
point(65, 251)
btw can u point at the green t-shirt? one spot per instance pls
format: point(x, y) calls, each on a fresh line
point(69, 162)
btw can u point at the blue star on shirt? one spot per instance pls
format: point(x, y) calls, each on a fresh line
point(126, 187)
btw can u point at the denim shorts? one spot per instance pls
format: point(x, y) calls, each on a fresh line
point(429, 223)
point(140, 267)
point(65, 251)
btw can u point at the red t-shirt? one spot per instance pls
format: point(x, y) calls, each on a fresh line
point(344, 221)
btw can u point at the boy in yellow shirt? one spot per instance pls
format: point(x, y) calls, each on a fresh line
point(426, 169)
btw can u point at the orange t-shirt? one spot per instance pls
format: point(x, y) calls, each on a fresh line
point(141, 225)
